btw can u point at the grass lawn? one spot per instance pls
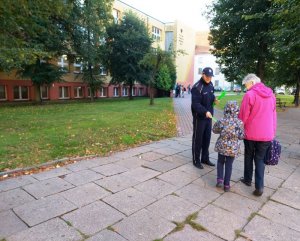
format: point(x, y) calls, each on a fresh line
point(33, 135)
point(288, 99)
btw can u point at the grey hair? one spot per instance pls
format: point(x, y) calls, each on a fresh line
point(251, 77)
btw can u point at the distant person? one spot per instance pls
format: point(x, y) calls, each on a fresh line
point(203, 99)
point(177, 90)
point(258, 113)
point(189, 88)
point(231, 130)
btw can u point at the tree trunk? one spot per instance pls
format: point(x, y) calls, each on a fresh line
point(296, 100)
point(38, 93)
point(130, 92)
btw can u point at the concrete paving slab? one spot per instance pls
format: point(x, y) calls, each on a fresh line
point(47, 187)
point(282, 214)
point(161, 165)
point(173, 208)
point(90, 163)
point(85, 194)
point(190, 169)
point(190, 234)
point(166, 151)
point(198, 195)
point(129, 201)
point(16, 182)
point(272, 182)
point(180, 160)
point(106, 235)
point(260, 228)
point(93, 218)
point(144, 226)
point(82, 177)
point(177, 178)
point(293, 181)
point(187, 154)
point(287, 197)
point(242, 189)
point(10, 224)
point(51, 173)
point(156, 188)
point(14, 198)
point(110, 169)
point(237, 204)
point(220, 222)
point(131, 162)
point(55, 229)
point(141, 174)
point(117, 183)
point(44, 209)
point(151, 156)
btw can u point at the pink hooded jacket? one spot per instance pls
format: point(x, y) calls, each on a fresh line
point(258, 113)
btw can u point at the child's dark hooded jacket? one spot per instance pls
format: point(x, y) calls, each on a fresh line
point(231, 130)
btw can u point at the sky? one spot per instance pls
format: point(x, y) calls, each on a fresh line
point(188, 11)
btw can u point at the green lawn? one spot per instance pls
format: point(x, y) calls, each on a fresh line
point(288, 99)
point(36, 134)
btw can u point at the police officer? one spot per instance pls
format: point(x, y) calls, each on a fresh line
point(202, 109)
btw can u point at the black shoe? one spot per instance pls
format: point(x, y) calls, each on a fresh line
point(198, 165)
point(258, 192)
point(209, 163)
point(245, 182)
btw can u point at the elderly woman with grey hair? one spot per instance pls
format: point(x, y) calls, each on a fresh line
point(258, 113)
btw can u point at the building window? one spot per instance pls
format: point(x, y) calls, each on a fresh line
point(78, 92)
point(156, 33)
point(44, 92)
point(116, 15)
point(140, 91)
point(124, 91)
point(217, 71)
point(21, 92)
point(103, 71)
point(90, 92)
point(116, 91)
point(64, 92)
point(133, 92)
point(3, 92)
point(63, 63)
point(103, 92)
point(77, 66)
point(200, 71)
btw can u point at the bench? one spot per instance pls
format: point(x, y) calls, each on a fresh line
point(280, 103)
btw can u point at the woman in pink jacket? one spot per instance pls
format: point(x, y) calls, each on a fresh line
point(258, 113)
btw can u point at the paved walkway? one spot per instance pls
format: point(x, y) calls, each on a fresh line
point(153, 192)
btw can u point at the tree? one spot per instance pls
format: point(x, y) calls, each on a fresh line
point(286, 48)
point(30, 30)
point(126, 45)
point(240, 36)
point(87, 25)
point(41, 73)
point(160, 68)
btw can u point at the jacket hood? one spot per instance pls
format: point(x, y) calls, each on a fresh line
point(231, 109)
point(262, 90)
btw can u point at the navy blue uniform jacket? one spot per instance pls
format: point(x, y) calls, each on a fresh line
point(202, 99)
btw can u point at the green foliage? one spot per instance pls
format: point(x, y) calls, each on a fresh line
point(41, 73)
point(30, 30)
point(163, 78)
point(286, 48)
point(240, 35)
point(126, 45)
point(87, 23)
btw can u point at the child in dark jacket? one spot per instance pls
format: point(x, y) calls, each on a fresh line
point(231, 131)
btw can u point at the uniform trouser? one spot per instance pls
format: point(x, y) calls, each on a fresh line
point(227, 161)
point(255, 150)
point(201, 139)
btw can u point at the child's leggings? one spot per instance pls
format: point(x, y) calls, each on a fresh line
point(227, 160)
